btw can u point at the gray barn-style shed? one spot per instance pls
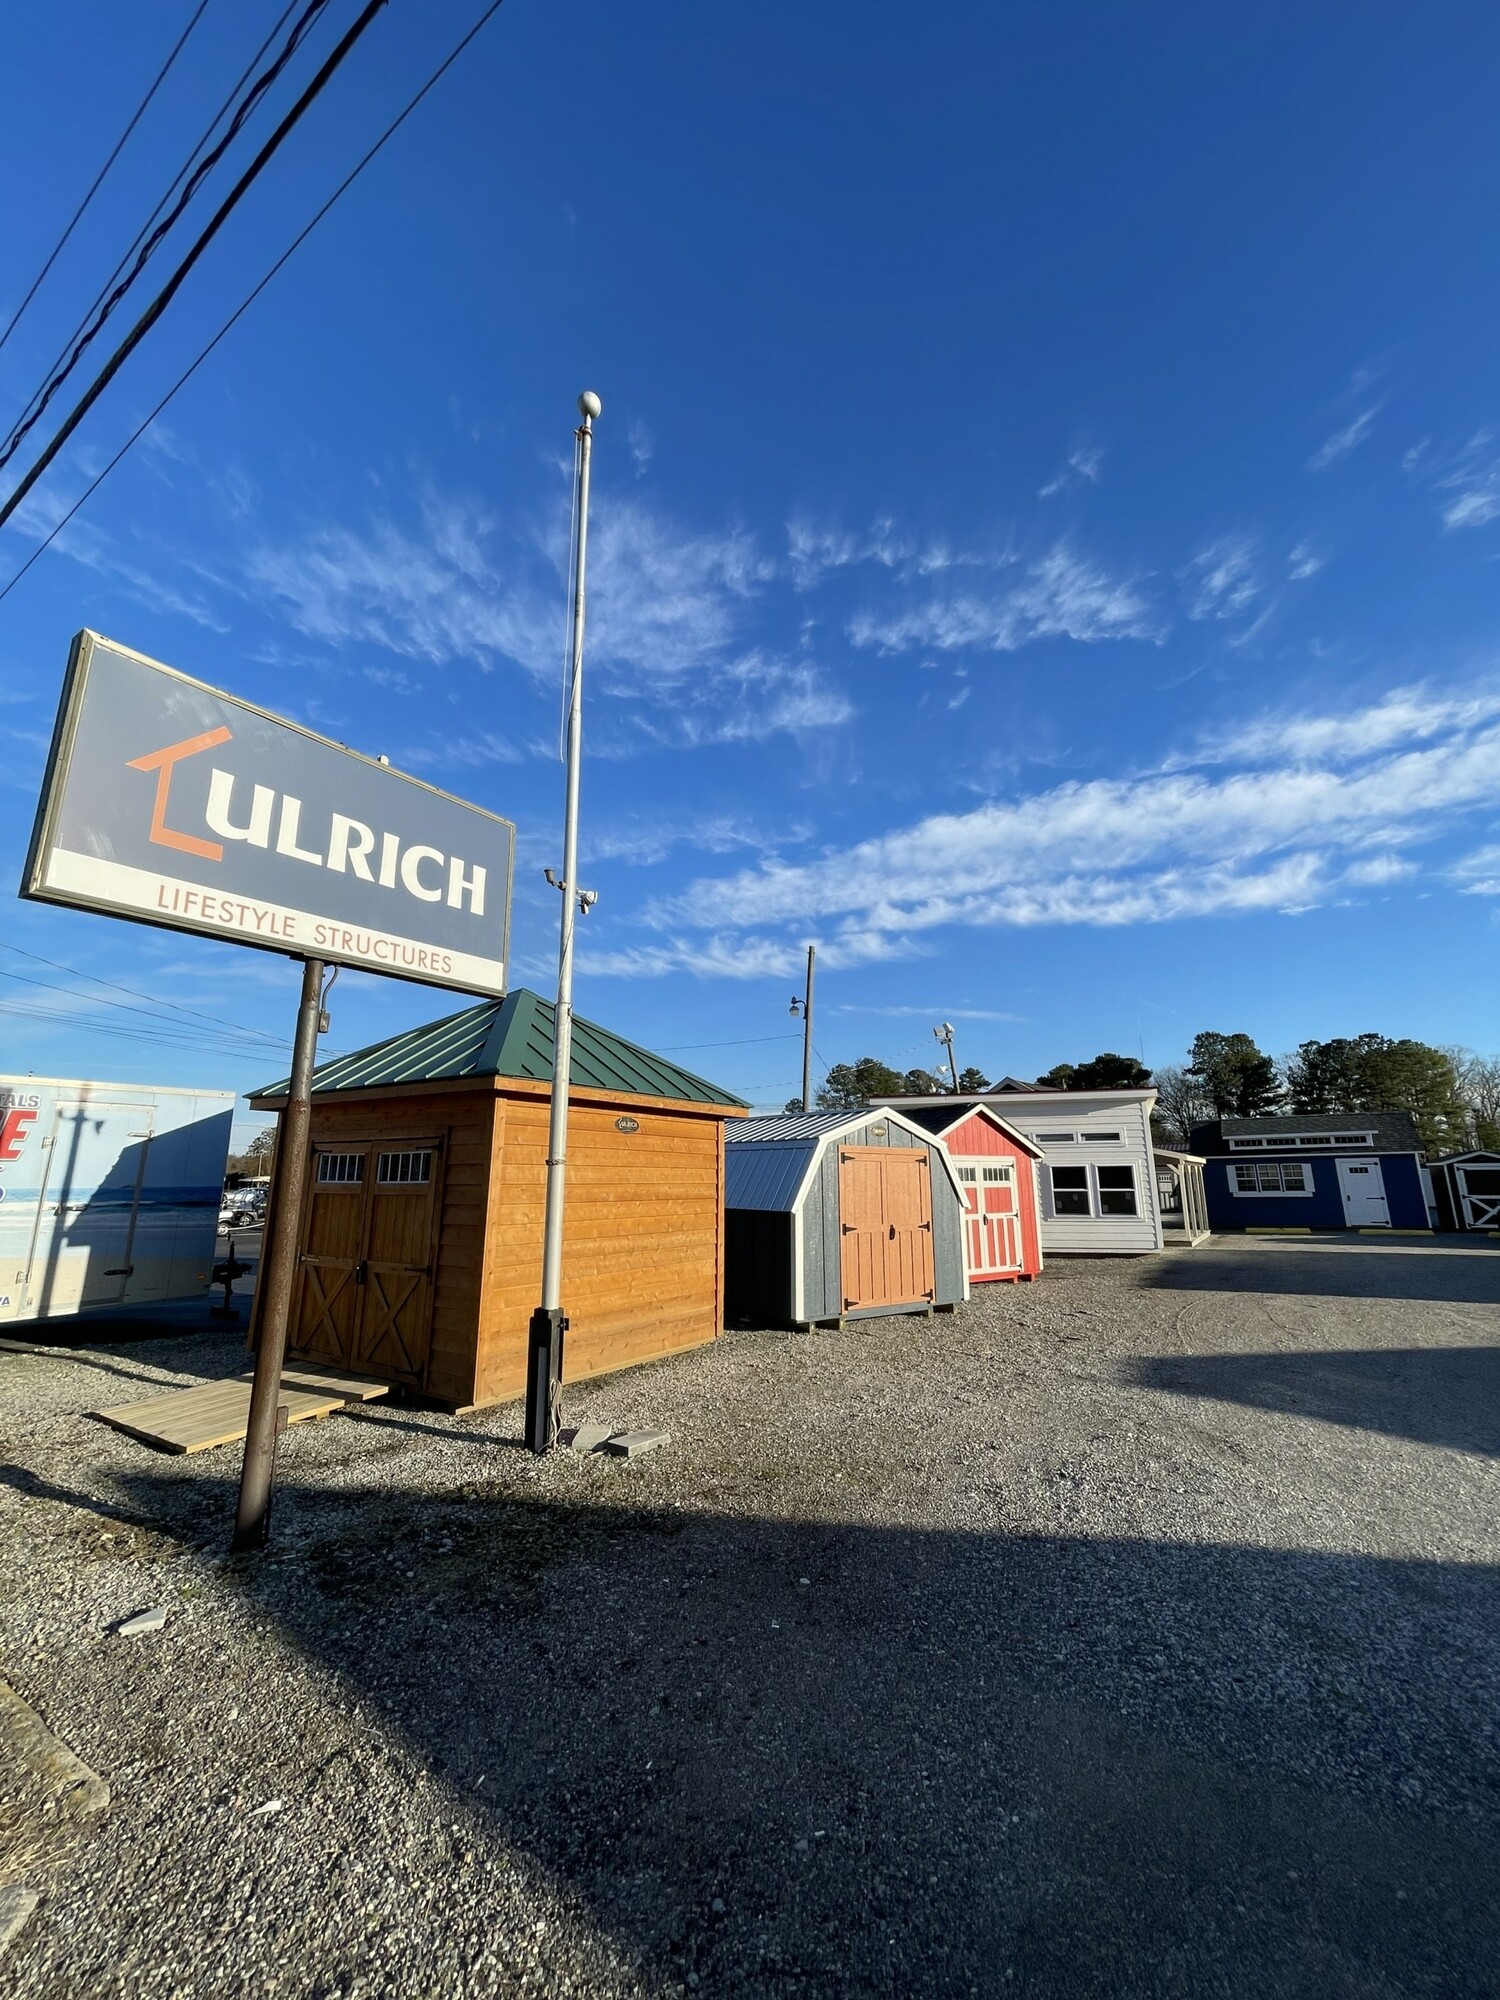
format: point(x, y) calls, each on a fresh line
point(839, 1215)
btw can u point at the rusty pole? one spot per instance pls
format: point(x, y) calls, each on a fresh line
point(252, 1521)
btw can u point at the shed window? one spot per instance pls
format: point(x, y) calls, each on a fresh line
point(404, 1169)
point(966, 1173)
point(997, 1173)
point(1117, 1191)
point(1055, 1138)
point(1103, 1138)
point(1271, 1177)
point(1070, 1190)
point(340, 1169)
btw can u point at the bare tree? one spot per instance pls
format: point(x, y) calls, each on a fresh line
point(1181, 1103)
point(1479, 1089)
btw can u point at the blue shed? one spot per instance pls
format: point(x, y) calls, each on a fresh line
point(839, 1215)
point(1305, 1170)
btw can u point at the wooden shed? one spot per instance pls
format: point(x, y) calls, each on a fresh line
point(424, 1190)
point(839, 1215)
point(997, 1171)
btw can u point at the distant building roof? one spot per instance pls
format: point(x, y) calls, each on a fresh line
point(1012, 1083)
point(510, 1037)
point(944, 1115)
point(1394, 1131)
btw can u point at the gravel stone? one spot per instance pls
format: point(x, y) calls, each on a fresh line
point(1151, 1647)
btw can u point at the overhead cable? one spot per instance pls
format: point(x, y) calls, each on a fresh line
point(296, 243)
point(141, 234)
point(173, 285)
point(76, 972)
point(205, 166)
point(99, 177)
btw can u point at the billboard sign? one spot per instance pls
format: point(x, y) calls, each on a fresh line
point(171, 803)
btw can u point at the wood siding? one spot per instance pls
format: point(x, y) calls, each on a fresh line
point(643, 1253)
point(978, 1138)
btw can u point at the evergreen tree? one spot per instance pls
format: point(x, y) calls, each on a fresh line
point(918, 1083)
point(1235, 1076)
point(973, 1079)
point(850, 1086)
point(1105, 1071)
point(1371, 1072)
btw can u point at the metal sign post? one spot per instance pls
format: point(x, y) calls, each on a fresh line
point(549, 1323)
point(252, 1521)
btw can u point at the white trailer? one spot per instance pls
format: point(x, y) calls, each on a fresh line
point(109, 1193)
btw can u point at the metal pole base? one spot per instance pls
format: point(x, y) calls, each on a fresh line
point(544, 1364)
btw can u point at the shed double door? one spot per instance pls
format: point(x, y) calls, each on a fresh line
point(992, 1217)
point(885, 1216)
point(364, 1280)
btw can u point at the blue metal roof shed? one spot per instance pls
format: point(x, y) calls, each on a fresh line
point(839, 1215)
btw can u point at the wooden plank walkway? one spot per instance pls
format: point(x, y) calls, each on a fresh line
point(215, 1413)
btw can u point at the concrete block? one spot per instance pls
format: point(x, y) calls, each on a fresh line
point(632, 1444)
point(586, 1437)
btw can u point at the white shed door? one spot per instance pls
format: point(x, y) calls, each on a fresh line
point(1363, 1189)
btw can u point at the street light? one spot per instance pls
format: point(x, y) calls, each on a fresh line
point(945, 1034)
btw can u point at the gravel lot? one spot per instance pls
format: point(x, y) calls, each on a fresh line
point(1136, 1632)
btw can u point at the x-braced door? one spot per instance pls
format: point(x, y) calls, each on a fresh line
point(364, 1295)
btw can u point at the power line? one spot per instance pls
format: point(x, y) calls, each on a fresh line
point(744, 1042)
point(182, 172)
point(99, 177)
point(51, 986)
point(169, 291)
point(135, 993)
point(296, 243)
point(89, 334)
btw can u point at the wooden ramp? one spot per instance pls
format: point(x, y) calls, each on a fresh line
point(214, 1413)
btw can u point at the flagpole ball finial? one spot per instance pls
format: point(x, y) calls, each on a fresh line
point(589, 404)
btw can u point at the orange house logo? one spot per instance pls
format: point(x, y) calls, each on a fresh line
point(164, 763)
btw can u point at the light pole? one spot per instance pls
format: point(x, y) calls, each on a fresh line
point(804, 1008)
point(544, 1363)
point(945, 1034)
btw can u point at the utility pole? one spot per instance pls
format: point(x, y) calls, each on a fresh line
point(945, 1034)
point(804, 1008)
point(252, 1521)
point(544, 1364)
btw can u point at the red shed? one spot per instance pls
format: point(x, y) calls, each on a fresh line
point(996, 1167)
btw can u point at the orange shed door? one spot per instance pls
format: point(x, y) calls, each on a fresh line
point(364, 1282)
point(885, 1203)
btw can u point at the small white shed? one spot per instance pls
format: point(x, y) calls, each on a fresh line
point(1097, 1175)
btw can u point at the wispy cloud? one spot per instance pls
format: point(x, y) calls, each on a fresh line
point(1220, 581)
point(1473, 485)
point(815, 549)
point(81, 542)
point(669, 613)
point(1478, 874)
point(939, 1011)
point(1338, 814)
point(642, 445)
point(1083, 466)
point(1403, 716)
point(1303, 561)
point(644, 842)
point(1063, 595)
point(1353, 434)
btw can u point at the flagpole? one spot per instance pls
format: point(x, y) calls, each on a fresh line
point(549, 1323)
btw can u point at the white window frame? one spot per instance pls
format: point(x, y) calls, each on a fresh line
point(1090, 1171)
point(1280, 1193)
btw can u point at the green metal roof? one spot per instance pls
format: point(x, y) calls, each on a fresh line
point(510, 1037)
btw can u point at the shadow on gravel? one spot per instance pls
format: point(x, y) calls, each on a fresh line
point(800, 1759)
point(1456, 1278)
point(1437, 1395)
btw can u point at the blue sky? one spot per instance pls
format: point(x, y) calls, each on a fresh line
point(1046, 509)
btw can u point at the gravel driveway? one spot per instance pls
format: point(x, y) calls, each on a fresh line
point(1135, 1632)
